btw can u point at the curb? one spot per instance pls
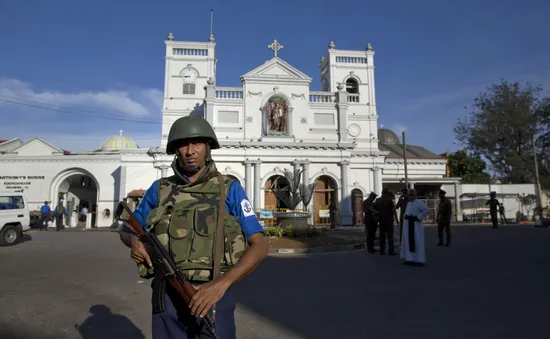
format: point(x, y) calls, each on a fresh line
point(316, 250)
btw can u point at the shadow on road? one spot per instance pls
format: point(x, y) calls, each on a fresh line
point(103, 324)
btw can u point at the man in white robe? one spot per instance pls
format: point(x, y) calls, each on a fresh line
point(412, 238)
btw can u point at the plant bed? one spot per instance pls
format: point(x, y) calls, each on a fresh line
point(278, 237)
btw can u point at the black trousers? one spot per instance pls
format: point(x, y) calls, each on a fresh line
point(444, 226)
point(371, 234)
point(386, 233)
point(44, 222)
point(494, 218)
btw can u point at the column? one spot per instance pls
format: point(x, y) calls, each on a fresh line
point(457, 202)
point(209, 101)
point(342, 107)
point(305, 173)
point(163, 171)
point(248, 178)
point(345, 203)
point(257, 184)
point(296, 165)
point(377, 180)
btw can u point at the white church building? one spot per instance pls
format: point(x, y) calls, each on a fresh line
point(270, 123)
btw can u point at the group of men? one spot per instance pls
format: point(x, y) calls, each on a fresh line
point(381, 214)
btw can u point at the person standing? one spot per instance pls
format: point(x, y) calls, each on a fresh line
point(186, 212)
point(387, 213)
point(44, 216)
point(444, 216)
point(502, 213)
point(494, 204)
point(412, 243)
point(402, 206)
point(59, 212)
point(370, 221)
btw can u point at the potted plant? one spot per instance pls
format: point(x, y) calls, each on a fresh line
point(291, 196)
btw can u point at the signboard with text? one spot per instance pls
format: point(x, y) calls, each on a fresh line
point(19, 183)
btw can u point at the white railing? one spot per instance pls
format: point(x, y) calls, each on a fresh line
point(353, 97)
point(229, 93)
point(322, 97)
point(351, 60)
point(190, 51)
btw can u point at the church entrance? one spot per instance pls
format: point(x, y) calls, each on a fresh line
point(76, 191)
point(357, 206)
point(274, 183)
point(325, 201)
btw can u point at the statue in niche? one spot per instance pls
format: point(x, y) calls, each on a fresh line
point(277, 116)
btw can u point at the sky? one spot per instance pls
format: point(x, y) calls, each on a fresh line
point(77, 72)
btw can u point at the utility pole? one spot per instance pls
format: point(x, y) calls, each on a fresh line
point(537, 181)
point(405, 159)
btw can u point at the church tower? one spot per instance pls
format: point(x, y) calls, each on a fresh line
point(188, 67)
point(354, 70)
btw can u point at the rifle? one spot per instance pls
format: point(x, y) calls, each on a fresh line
point(162, 261)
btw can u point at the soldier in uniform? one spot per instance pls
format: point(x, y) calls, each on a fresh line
point(387, 216)
point(370, 221)
point(444, 216)
point(493, 208)
point(402, 206)
point(183, 210)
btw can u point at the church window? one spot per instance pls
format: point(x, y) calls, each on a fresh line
point(188, 88)
point(352, 86)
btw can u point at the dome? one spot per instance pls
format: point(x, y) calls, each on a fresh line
point(119, 142)
point(386, 136)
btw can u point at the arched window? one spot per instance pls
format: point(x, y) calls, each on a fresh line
point(352, 86)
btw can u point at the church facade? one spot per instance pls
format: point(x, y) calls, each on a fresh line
point(273, 122)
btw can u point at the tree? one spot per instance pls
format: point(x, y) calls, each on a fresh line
point(470, 167)
point(501, 127)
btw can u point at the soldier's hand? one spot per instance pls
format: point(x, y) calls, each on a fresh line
point(206, 296)
point(138, 252)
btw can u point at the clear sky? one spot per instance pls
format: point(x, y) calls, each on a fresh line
point(89, 65)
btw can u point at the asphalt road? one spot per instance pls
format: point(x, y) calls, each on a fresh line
point(490, 284)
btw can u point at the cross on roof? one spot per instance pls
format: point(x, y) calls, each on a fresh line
point(275, 46)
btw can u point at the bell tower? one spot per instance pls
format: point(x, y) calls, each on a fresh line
point(188, 67)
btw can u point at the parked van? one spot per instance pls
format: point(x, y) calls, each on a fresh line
point(14, 217)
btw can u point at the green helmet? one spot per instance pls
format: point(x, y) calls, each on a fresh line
point(190, 127)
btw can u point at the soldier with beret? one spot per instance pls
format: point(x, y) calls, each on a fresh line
point(186, 212)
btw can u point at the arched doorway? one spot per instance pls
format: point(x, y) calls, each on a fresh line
point(325, 201)
point(357, 206)
point(274, 183)
point(77, 190)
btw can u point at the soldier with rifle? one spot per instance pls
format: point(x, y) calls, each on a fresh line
point(203, 236)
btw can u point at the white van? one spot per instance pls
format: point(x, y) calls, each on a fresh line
point(14, 217)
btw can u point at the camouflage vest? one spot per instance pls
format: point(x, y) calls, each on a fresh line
point(59, 209)
point(186, 221)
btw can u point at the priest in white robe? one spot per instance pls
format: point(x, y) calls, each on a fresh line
point(412, 238)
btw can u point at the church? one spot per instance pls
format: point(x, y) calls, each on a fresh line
point(273, 122)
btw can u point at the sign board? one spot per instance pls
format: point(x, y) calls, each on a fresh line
point(19, 183)
point(266, 214)
point(324, 213)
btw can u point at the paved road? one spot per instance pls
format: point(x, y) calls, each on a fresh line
point(491, 284)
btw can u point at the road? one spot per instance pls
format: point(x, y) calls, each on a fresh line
point(490, 284)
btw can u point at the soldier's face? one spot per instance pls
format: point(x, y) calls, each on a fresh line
point(192, 152)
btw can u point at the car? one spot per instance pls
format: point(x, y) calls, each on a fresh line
point(14, 217)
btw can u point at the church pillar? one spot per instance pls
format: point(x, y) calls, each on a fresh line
point(163, 171)
point(377, 180)
point(290, 122)
point(209, 101)
point(457, 202)
point(257, 184)
point(296, 165)
point(345, 201)
point(342, 107)
point(122, 183)
point(248, 178)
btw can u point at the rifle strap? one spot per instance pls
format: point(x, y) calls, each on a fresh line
point(218, 248)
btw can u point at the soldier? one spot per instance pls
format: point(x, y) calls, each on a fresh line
point(370, 221)
point(444, 216)
point(493, 208)
point(58, 213)
point(387, 216)
point(502, 213)
point(402, 206)
point(183, 210)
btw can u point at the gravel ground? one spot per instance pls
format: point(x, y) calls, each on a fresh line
point(490, 284)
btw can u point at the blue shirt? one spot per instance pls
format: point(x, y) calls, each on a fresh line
point(45, 209)
point(236, 203)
